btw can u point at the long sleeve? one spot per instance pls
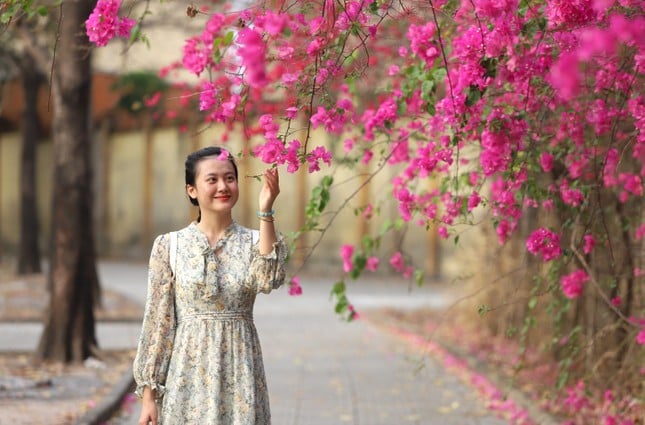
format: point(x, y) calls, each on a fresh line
point(268, 271)
point(158, 330)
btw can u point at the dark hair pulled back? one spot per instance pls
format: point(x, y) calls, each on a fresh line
point(196, 157)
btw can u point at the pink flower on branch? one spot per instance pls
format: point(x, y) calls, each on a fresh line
point(573, 283)
point(640, 338)
point(252, 52)
point(397, 262)
point(589, 243)
point(372, 264)
point(294, 287)
point(545, 243)
point(422, 42)
point(317, 155)
point(346, 253)
point(546, 161)
point(104, 23)
point(565, 76)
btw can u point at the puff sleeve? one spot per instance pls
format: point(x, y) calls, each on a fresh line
point(267, 272)
point(151, 362)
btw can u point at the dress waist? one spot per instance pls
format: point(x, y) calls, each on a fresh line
point(217, 315)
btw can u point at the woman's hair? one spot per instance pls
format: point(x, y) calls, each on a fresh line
point(194, 158)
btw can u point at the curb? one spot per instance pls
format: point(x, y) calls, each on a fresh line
point(110, 403)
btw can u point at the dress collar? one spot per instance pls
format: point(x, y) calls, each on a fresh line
point(201, 237)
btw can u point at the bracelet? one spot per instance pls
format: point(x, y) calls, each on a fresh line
point(266, 214)
point(267, 219)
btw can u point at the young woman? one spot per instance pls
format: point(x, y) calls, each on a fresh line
point(199, 359)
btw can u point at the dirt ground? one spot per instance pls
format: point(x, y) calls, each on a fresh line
point(35, 393)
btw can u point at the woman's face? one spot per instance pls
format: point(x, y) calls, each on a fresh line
point(215, 187)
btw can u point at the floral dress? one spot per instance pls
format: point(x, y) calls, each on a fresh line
point(199, 348)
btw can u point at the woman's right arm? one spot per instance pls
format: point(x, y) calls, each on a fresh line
point(151, 362)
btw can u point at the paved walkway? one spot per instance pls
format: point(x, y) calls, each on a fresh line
point(320, 370)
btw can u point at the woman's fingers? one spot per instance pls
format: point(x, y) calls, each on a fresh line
point(273, 180)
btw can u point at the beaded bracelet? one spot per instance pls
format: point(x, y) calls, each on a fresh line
point(266, 214)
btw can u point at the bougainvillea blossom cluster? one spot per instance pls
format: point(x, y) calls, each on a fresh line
point(104, 23)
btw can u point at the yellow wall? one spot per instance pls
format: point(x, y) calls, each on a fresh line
point(120, 195)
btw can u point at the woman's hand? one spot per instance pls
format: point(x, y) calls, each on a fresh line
point(148, 408)
point(270, 189)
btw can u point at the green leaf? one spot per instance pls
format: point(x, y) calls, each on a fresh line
point(228, 38)
point(482, 309)
point(418, 277)
point(532, 303)
point(490, 65)
point(359, 264)
point(339, 288)
point(341, 304)
point(427, 88)
point(473, 94)
point(368, 243)
point(439, 74)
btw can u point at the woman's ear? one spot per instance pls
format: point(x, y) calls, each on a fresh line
point(191, 191)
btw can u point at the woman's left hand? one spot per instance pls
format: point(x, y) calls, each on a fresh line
point(270, 189)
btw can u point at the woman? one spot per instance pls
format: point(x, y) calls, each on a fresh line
point(199, 359)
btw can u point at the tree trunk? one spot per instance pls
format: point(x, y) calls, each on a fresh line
point(69, 333)
point(28, 251)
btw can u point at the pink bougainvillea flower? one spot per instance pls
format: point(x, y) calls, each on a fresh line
point(291, 112)
point(104, 23)
point(367, 156)
point(546, 161)
point(290, 78)
point(346, 253)
point(224, 155)
point(573, 283)
point(397, 261)
point(640, 232)
point(152, 100)
point(545, 243)
point(294, 287)
point(393, 70)
point(291, 157)
point(422, 42)
point(616, 301)
point(353, 314)
point(590, 243)
point(565, 76)
point(372, 264)
point(473, 200)
point(640, 338)
point(252, 51)
point(571, 196)
point(317, 155)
